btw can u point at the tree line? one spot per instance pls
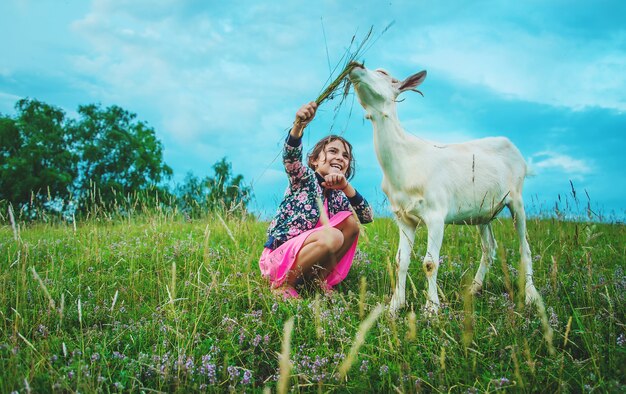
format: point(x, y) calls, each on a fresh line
point(104, 159)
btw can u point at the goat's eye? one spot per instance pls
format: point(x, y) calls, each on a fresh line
point(383, 72)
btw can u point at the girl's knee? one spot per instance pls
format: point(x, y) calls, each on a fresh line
point(351, 227)
point(331, 239)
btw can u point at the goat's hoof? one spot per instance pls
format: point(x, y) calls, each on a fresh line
point(476, 288)
point(395, 305)
point(431, 310)
point(532, 295)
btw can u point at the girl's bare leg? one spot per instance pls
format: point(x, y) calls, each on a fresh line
point(350, 230)
point(319, 250)
point(323, 250)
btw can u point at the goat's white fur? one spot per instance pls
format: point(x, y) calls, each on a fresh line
point(437, 184)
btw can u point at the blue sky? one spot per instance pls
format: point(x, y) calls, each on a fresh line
point(224, 78)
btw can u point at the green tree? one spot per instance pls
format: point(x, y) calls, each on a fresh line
point(220, 192)
point(225, 190)
point(118, 155)
point(36, 155)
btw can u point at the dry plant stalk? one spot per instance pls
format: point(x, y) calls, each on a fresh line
point(284, 362)
point(80, 313)
point(61, 309)
point(362, 294)
point(468, 312)
point(364, 327)
point(114, 300)
point(207, 235)
point(567, 328)
point(553, 274)
point(548, 334)
point(172, 292)
point(230, 234)
point(392, 276)
point(442, 358)
point(521, 286)
point(323, 218)
point(43, 287)
point(411, 334)
point(318, 317)
point(16, 235)
point(529, 358)
point(518, 375)
point(323, 215)
point(505, 272)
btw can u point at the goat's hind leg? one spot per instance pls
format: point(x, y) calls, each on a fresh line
point(526, 266)
point(489, 246)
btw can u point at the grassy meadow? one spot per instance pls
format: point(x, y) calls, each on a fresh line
point(159, 303)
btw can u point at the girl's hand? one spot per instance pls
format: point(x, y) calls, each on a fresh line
point(335, 181)
point(304, 116)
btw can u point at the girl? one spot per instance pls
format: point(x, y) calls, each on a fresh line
point(298, 247)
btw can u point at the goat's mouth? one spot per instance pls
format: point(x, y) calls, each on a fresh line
point(354, 64)
point(355, 69)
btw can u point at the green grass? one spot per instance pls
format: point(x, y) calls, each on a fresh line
point(177, 306)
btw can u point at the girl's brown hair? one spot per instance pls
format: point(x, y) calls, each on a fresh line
point(321, 145)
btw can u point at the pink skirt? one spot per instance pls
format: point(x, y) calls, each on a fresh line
point(275, 264)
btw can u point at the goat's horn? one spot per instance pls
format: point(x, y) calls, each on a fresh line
point(415, 90)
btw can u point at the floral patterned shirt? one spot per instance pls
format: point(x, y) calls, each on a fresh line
point(298, 212)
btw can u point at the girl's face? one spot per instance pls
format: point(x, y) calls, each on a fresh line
point(334, 158)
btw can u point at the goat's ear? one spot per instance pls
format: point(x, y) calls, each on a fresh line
point(413, 81)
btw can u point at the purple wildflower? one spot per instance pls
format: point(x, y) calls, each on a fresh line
point(208, 369)
point(118, 355)
point(247, 377)
point(502, 382)
point(233, 373)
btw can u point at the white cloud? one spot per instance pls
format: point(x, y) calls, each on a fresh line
point(536, 66)
point(202, 73)
point(546, 161)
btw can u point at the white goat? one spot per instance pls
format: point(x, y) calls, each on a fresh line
point(437, 184)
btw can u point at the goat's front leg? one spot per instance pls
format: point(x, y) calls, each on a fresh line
point(431, 262)
point(403, 258)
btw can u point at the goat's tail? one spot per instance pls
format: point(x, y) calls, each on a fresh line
point(530, 169)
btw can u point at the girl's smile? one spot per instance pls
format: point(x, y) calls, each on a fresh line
point(335, 158)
